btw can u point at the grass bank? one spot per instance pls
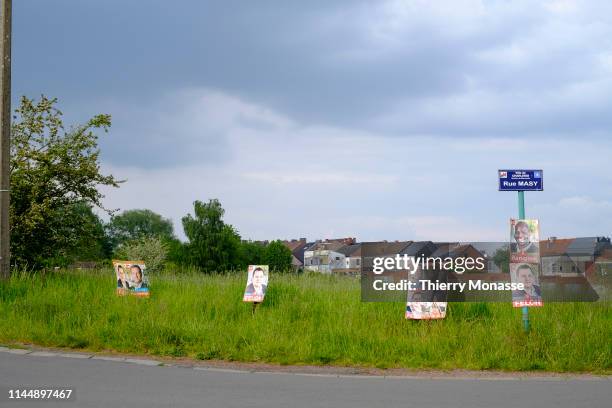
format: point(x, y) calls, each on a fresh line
point(304, 320)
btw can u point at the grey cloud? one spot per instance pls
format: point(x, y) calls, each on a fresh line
point(393, 68)
point(164, 133)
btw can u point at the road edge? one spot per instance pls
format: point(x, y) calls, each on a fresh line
point(305, 370)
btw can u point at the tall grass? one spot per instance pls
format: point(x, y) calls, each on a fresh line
point(308, 319)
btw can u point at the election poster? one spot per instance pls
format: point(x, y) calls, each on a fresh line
point(524, 241)
point(131, 278)
point(525, 262)
point(257, 283)
point(528, 275)
point(425, 310)
point(426, 304)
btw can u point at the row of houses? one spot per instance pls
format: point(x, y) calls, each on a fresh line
point(581, 256)
point(566, 257)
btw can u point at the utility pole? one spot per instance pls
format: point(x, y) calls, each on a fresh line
point(5, 137)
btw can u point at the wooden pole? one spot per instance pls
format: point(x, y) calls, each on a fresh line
point(5, 137)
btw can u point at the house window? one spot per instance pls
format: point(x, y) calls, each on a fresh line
point(337, 258)
point(358, 262)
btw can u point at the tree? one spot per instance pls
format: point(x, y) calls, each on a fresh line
point(213, 245)
point(251, 253)
point(177, 252)
point(278, 256)
point(152, 250)
point(92, 243)
point(80, 236)
point(501, 258)
point(137, 224)
point(53, 172)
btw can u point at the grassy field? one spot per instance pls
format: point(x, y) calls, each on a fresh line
point(304, 320)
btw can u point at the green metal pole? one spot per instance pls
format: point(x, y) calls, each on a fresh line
point(521, 208)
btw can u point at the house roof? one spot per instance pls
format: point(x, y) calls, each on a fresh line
point(299, 252)
point(466, 250)
point(589, 246)
point(454, 250)
point(351, 250)
point(345, 241)
point(444, 249)
point(327, 245)
point(555, 247)
point(382, 248)
point(583, 246)
point(295, 244)
point(419, 248)
point(490, 248)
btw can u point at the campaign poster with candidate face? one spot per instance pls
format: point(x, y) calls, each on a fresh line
point(529, 276)
point(131, 278)
point(524, 241)
point(425, 304)
point(425, 310)
point(257, 283)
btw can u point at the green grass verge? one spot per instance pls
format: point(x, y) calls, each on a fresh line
point(304, 320)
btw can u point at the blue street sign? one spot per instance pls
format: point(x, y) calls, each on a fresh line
point(521, 180)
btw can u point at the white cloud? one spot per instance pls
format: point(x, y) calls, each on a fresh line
point(334, 178)
point(585, 204)
point(579, 215)
point(562, 6)
point(424, 227)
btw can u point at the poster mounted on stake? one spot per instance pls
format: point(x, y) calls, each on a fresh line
point(426, 304)
point(257, 283)
point(425, 310)
point(131, 278)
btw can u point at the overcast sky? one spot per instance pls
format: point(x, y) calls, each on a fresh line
point(320, 119)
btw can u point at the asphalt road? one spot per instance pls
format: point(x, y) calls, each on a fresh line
point(103, 383)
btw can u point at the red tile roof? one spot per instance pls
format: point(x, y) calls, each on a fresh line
point(555, 247)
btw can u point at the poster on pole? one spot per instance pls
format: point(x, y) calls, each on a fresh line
point(257, 283)
point(524, 241)
point(131, 278)
point(525, 262)
point(528, 275)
